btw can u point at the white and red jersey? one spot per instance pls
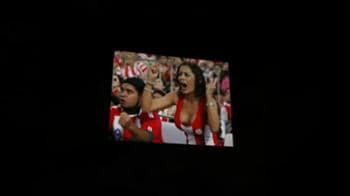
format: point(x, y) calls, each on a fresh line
point(199, 132)
point(146, 121)
point(128, 71)
point(226, 112)
point(163, 115)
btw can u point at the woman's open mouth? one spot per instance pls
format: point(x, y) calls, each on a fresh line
point(183, 86)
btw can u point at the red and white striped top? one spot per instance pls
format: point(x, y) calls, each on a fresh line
point(128, 71)
point(146, 121)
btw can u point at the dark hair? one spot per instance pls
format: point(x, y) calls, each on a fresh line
point(200, 84)
point(136, 82)
point(162, 93)
point(115, 99)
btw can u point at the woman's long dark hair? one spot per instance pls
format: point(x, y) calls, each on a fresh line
point(200, 84)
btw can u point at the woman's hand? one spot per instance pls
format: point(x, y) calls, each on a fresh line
point(211, 87)
point(212, 106)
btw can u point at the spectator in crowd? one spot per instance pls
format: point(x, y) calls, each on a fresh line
point(115, 85)
point(115, 90)
point(197, 112)
point(191, 60)
point(165, 70)
point(146, 57)
point(174, 61)
point(128, 67)
point(158, 84)
point(158, 94)
point(128, 121)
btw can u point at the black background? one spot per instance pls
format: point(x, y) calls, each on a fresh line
point(61, 60)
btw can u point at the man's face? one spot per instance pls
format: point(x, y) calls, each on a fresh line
point(210, 64)
point(163, 59)
point(158, 84)
point(203, 66)
point(115, 81)
point(174, 60)
point(129, 96)
point(115, 85)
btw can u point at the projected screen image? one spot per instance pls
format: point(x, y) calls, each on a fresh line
point(170, 100)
